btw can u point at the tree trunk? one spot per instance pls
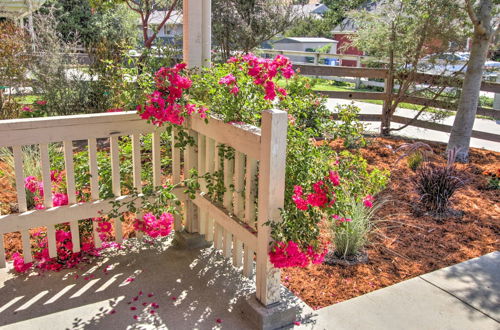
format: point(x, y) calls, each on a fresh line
point(469, 98)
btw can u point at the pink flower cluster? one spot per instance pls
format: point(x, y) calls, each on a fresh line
point(35, 186)
point(368, 201)
point(66, 258)
point(321, 196)
point(263, 71)
point(153, 226)
point(167, 103)
point(290, 254)
point(340, 220)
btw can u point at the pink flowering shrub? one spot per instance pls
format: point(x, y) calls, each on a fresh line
point(169, 102)
point(239, 90)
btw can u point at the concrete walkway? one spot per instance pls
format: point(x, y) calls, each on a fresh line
point(198, 289)
point(484, 125)
point(463, 296)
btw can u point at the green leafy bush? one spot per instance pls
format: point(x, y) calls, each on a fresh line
point(348, 126)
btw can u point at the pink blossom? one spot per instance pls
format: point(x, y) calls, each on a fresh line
point(368, 201)
point(334, 178)
point(234, 90)
point(41, 102)
point(27, 109)
point(227, 80)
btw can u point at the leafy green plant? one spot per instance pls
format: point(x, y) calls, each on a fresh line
point(348, 126)
point(415, 160)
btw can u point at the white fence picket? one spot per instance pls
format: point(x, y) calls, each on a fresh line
point(202, 151)
point(250, 191)
point(19, 172)
point(70, 171)
point(209, 168)
point(156, 157)
point(47, 196)
point(115, 181)
point(2, 252)
point(94, 184)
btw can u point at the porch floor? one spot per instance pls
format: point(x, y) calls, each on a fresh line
point(193, 289)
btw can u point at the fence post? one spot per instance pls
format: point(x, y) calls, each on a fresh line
point(496, 100)
point(271, 200)
point(358, 79)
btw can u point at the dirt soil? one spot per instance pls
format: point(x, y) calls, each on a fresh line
point(406, 245)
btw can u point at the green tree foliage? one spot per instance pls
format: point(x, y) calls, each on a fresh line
point(399, 34)
point(244, 24)
point(323, 26)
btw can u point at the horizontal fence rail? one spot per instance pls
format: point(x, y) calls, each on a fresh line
point(320, 70)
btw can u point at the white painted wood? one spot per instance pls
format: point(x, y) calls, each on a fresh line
point(227, 244)
point(156, 158)
point(118, 230)
point(51, 241)
point(248, 262)
point(237, 252)
point(67, 213)
point(18, 169)
point(25, 240)
point(136, 162)
point(271, 200)
point(227, 221)
point(218, 236)
point(75, 235)
point(242, 137)
point(2, 252)
point(192, 221)
point(192, 32)
point(115, 181)
point(94, 184)
point(228, 182)
point(176, 159)
point(94, 171)
point(47, 184)
point(239, 184)
point(207, 32)
point(71, 130)
point(209, 168)
point(202, 170)
point(115, 165)
point(70, 172)
point(250, 191)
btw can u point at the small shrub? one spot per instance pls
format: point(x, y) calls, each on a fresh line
point(416, 153)
point(348, 126)
point(350, 231)
point(436, 184)
point(493, 179)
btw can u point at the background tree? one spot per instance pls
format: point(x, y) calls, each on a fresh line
point(144, 8)
point(399, 34)
point(314, 26)
point(486, 25)
point(14, 43)
point(242, 25)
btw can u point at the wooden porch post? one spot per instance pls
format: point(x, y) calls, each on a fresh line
point(271, 200)
point(197, 32)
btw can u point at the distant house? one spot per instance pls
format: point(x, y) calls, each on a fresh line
point(342, 34)
point(304, 44)
point(170, 33)
point(18, 9)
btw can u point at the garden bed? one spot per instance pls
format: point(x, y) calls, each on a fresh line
point(406, 245)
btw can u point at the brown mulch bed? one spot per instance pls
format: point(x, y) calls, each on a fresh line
point(406, 245)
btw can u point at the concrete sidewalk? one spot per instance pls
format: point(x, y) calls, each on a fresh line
point(483, 125)
point(463, 296)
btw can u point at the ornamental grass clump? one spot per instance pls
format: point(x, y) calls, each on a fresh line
point(436, 184)
point(350, 232)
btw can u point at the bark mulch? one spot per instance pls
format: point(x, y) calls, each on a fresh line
point(405, 245)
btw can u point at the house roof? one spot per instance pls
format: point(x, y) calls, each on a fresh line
point(293, 40)
point(348, 25)
point(309, 9)
point(157, 17)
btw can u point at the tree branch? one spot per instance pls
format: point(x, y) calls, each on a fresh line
point(165, 19)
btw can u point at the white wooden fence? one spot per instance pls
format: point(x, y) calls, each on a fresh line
point(254, 180)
